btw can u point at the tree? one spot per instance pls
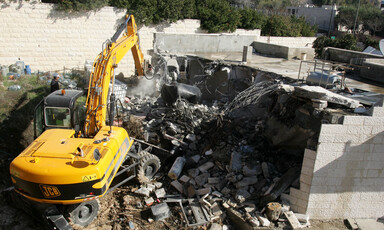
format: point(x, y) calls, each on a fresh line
point(145, 11)
point(251, 19)
point(170, 9)
point(346, 17)
point(81, 5)
point(189, 9)
point(217, 16)
point(372, 18)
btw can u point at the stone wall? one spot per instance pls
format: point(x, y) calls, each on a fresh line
point(50, 40)
point(344, 178)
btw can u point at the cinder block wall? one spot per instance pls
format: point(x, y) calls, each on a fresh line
point(345, 176)
point(48, 40)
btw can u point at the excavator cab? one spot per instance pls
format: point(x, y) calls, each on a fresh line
point(62, 109)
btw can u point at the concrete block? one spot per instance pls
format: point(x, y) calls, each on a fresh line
point(179, 187)
point(331, 147)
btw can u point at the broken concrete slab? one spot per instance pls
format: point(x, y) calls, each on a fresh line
point(246, 181)
point(203, 191)
point(238, 221)
point(317, 92)
point(206, 166)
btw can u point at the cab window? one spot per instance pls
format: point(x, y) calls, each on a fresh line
point(57, 117)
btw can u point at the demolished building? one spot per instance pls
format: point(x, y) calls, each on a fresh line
point(256, 137)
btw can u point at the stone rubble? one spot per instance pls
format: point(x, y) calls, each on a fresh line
point(240, 153)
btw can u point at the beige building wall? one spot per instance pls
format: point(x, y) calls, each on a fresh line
point(344, 178)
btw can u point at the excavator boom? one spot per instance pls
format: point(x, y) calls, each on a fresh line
point(103, 72)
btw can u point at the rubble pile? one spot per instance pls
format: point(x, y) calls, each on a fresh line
point(232, 161)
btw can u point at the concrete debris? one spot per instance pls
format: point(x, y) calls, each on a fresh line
point(143, 191)
point(273, 211)
point(179, 187)
point(160, 193)
point(149, 201)
point(241, 148)
point(264, 221)
point(317, 92)
point(293, 221)
point(160, 211)
point(176, 168)
point(206, 166)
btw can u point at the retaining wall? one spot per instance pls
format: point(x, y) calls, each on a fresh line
point(347, 56)
point(48, 40)
point(344, 177)
point(288, 41)
point(202, 43)
point(282, 51)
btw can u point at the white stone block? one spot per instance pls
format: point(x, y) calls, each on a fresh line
point(378, 112)
point(358, 129)
point(307, 170)
point(353, 120)
point(310, 154)
point(373, 121)
point(326, 138)
point(306, 179)
point(332, 129)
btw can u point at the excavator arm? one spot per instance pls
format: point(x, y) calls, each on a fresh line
point(104, 70)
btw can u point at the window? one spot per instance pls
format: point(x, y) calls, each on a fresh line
point(58, 117)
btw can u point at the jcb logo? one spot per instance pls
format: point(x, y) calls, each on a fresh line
point(50, 191)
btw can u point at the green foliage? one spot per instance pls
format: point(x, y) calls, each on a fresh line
point(145, 11)
point(189, 9)
point(287, 26)
point(217, 16)
point(368, 41)
point(170, 9)
point(372, 19)
point(347, 41)
point(346, 16)
point(251, 19)
point(81, 5)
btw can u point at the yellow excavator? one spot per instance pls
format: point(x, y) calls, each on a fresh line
point(76, 155)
